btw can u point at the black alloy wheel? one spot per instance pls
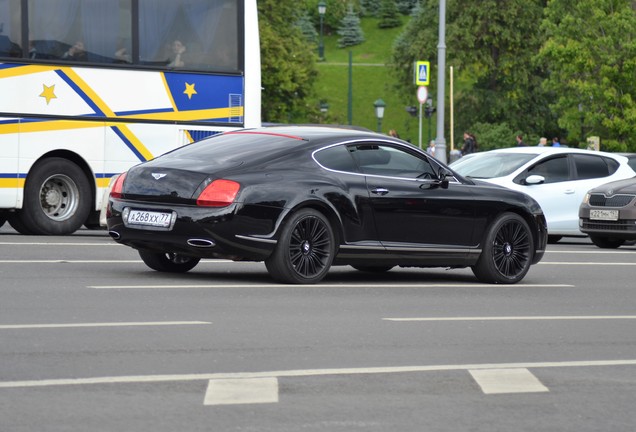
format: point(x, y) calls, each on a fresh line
point(305, 250)
point(507, 253)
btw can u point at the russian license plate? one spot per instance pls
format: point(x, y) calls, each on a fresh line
point(149, 218)
point(611, 215)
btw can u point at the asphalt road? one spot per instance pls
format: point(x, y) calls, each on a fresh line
point(92, 340)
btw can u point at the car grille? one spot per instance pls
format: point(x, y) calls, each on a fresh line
point(621, 225)
point(600, 200)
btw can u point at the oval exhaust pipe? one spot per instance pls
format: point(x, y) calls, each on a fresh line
point(114, 234)
point(201, 243)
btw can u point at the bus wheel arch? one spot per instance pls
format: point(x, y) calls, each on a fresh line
point(58, 197)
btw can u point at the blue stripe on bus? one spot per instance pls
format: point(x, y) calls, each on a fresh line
point(211, 91)
point(12, 175)
point(80, 93)
point(129, 144)
point(138, 112)
point(9, 65)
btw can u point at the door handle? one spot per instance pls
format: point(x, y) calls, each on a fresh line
point(569, 191)
point(380, 191)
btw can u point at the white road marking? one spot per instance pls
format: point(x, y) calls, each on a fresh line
point(67, 261)
point(335, 285)
point(105, 324)
point(306, 373)
point(503, 381)
point(519, 318)
point(241, 391)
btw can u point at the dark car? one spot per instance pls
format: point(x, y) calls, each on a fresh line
point(302, 199)
point(608, 214)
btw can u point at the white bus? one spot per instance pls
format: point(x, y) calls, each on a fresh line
point(89, 88)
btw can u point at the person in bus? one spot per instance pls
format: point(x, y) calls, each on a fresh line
point(76, 52)
point(178, 49)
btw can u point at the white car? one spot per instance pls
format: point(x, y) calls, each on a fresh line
point(556, 177)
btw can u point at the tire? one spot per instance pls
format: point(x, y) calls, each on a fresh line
point(168, 262)
point(607, 242)
point(57, 199)
point(305, 249)
point(507, 251)
point(373, 269)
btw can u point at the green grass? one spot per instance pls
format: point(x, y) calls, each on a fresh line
point(370, 81)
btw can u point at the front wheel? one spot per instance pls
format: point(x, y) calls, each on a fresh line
point(607, 242)
point(168, 262)
point(305, 249)
point(507, 251)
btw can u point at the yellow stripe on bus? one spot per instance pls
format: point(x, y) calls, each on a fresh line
point(11, 183)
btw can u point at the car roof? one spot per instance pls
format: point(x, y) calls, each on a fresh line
point(540, 150)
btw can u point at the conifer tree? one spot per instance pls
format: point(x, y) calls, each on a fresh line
point(350, 31)
point(389, 15)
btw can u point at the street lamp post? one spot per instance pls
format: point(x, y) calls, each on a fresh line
point(379, 112)
point(322, 8)
point(428, 112)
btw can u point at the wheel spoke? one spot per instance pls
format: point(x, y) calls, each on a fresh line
point(511, 249)
point(309, 246)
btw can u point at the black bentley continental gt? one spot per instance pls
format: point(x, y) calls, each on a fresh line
point(303, 199)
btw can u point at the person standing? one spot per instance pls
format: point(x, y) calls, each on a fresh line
point(555, 142)
point(431, 148)
point(520, 142)
point(543, 141)
point(470, 144)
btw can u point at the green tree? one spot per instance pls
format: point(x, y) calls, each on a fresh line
point(288, 66)
point(591, 55)
point(491, 45)
point(350, 31)
point(389, 15)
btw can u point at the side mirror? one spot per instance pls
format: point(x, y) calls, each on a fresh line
point(534, 179)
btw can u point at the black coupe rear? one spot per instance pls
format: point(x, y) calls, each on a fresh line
point(302, 199)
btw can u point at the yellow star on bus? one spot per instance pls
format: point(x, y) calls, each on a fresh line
point(190, 90)
point(48, 93)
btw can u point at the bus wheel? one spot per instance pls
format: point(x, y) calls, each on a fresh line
point(57, 199)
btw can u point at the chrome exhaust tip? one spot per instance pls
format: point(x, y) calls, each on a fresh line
point(114, 234)
point(201, 243)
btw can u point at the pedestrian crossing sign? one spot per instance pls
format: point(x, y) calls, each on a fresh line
point(422, 73)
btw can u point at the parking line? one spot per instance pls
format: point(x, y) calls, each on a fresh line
point(587, 263)
point(518, 318)
point(241, 391)
point(105, 324)
point(504, 381)
point(138, 379)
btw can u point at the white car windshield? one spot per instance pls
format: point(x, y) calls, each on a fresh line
point(489, 164)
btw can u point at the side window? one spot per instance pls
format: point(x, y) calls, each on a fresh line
point(195, 34)
point(80, 31)
point(553, 170)
point(390, 161)
point(336, 158)
point(589, 166)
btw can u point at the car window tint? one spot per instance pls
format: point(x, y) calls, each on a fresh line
point(553, 170)
point(589, 166)
point(336, 158)
point(389, 161)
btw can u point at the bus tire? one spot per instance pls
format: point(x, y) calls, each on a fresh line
point(57, 199)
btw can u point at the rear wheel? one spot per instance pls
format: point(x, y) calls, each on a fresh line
point(168, 262)
point(607, 242)
point(305, 250)
point(507, 251)
point(57, 199)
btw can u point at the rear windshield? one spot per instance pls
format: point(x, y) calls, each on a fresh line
point(234, 147)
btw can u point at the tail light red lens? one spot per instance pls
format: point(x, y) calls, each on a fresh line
point(219, 193)
point(116, 190)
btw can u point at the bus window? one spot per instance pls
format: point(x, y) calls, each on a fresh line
point(80, 31)
point(202, 34)
point(10, 28)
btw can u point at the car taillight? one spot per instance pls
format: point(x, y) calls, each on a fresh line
point(219, 193)
point(116, 191)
